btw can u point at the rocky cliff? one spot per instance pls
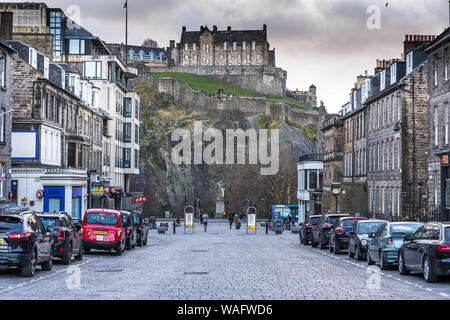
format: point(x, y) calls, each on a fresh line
point(169, 186)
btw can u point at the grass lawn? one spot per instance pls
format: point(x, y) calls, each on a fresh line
point(211, 86)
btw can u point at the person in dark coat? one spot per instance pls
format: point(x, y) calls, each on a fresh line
point(230, 219)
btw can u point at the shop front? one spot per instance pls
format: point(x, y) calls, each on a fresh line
point(445, 187)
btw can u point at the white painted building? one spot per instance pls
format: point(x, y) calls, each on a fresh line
point(310, 179)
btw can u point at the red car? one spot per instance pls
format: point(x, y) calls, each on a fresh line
point(103, 229)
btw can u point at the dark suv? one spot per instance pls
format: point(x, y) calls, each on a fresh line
point(142, 229)
point(67, 236)
point(130, 229)
point(321, 231)
point(305, 235)
point(340, 233)
point(25, 242)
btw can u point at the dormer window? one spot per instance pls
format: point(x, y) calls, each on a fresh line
point(141, 55)
point(244, 45)
point(225, 46)
point(152, 56)
point(409, 62)
point(253, 45)
point(234, 46)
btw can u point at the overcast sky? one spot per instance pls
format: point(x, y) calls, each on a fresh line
point(322, 42)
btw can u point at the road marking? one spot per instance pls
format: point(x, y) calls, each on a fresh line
point(26, 283)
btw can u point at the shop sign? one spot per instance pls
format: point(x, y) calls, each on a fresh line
point(97, 191)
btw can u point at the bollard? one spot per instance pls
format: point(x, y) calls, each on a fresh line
point(267, 227)
point(174, 227)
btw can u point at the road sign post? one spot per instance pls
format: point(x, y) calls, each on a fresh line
point(189, 218)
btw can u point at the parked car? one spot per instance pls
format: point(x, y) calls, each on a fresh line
point(340, 233)
point(25, 242)
point(305, 235)
point(67, 236)
point(321, 231)
point(427, 251)
point(130, 230)
point(142, 228)
point(103, 229)
point(383, 246)
point(359, 237)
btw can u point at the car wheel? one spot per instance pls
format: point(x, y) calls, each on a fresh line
point(48, 265)
point(145, 241)
point(30, 269)
point(336, 248)
point(79, 257)
point(120, 250)
point(383, 264)
point(401, 265)
point(370, 262)
point(428, 273)
point(67, 258)
point(350, 253)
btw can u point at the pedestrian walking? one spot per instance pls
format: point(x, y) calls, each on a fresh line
point(205, 221)
point(230, 219)
point(237, 223)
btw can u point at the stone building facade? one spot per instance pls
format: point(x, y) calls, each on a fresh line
point(306, 98)
point(7, 55)
point(438, 124)
point(30, 24)
point(333, 151)
point(140, 55)
point(397, 132)
point(222, 48)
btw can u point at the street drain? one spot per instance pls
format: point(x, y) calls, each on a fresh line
point(202, 250)
point(196, 272)
point(109, 270)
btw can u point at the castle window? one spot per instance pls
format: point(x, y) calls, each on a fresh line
point(229, 57)
point(239, 57)
point(195, 57)
point(186, 46)
point(244, 45)
point(253, 45)
point(257, 57)
point(225, 45)
point(206, 48)
point(186, 57)
point(234, 45)
point(221, 56)
point(194, 46)
point(248, 57)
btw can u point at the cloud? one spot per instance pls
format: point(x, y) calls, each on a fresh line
point(325, 42)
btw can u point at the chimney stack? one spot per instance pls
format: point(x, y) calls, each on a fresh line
point(6, 25)
point(183, 29)
point(229, 28)
point(265, 27)
point(214, 28)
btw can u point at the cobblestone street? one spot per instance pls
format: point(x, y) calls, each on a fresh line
point(218, 264)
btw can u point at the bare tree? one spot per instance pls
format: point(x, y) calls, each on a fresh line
point(150, 43)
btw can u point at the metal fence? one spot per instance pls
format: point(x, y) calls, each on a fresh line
point(433, 214)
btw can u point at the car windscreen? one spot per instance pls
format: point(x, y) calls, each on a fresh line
point(105, 218)
point(369, 227)
point(332, 220)
point(407, 228)
point(313, 220)
point(10, 223)
point(51, 222)
point(347, 223)
point(137, 218)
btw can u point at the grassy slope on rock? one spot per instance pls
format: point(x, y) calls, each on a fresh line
point(211, 86)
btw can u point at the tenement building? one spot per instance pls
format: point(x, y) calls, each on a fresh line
point(7, 55)
point(438, 124)
point(332, 162)
point(398, 135)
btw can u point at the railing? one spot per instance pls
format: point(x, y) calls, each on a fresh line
point(433, 214)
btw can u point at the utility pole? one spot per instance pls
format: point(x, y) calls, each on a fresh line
point(126, 30)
